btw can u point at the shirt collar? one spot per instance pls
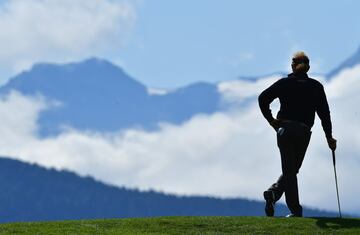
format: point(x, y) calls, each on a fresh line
point(298, 75)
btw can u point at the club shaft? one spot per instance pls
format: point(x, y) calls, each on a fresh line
point(336, 183)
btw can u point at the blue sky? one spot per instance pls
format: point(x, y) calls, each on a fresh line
point(167, 44)
point(178, 42)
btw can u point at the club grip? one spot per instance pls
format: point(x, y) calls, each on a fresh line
point(333, 156)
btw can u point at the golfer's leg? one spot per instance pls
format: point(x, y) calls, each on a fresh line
point(301, 142)
point(292, 195)
point(301, 147)
point(291, 192)
point(291, 185)
point(278, 188)
point(288, 154)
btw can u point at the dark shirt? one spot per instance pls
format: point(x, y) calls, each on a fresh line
point(300, 97)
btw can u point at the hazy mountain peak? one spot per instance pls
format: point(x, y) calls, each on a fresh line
point(353, 60)
point(89, 64)
point(98, 95)
point(92, 72)
point(97, 63)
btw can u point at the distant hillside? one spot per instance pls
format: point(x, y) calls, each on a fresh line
point(32, 193)
point(97, 95)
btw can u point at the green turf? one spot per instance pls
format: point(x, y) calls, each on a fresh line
point(190, 225)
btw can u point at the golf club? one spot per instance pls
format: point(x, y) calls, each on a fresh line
point(337, 189)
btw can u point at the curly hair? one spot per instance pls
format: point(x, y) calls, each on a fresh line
point(300, 62)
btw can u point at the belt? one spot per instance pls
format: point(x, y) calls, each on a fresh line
point(295, 122)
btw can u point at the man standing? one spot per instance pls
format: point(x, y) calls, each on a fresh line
point(300, 97)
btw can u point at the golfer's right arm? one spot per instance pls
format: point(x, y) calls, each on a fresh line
point(265, 99)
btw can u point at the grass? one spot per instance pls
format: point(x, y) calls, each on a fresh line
point(189, 225)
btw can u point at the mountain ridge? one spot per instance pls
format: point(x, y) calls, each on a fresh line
point(353, 60)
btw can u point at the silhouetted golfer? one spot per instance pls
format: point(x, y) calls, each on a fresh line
point(300, 97)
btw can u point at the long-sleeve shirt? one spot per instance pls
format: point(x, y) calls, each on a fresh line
point(300, 97)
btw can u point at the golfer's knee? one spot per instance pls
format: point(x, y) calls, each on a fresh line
point(290, 174)
point(290, 177)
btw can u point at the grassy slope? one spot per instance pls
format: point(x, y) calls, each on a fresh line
point(190, 225)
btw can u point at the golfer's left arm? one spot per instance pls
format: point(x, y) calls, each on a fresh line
point(323, 112)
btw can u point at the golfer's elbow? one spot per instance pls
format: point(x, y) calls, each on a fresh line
point(262, 100)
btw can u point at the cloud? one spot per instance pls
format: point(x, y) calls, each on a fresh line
point(232, 154)
point(157, 91)
point(61, 30)
point(238, 59)
point(241, 58)
point(240, 90)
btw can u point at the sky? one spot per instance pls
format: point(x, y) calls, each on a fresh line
point(168, 44)
point(178, 42)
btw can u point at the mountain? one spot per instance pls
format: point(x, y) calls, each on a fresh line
point(348, 63)
point(32, 193)
point(97, 95)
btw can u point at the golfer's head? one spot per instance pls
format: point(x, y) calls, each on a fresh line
point(300, 62)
